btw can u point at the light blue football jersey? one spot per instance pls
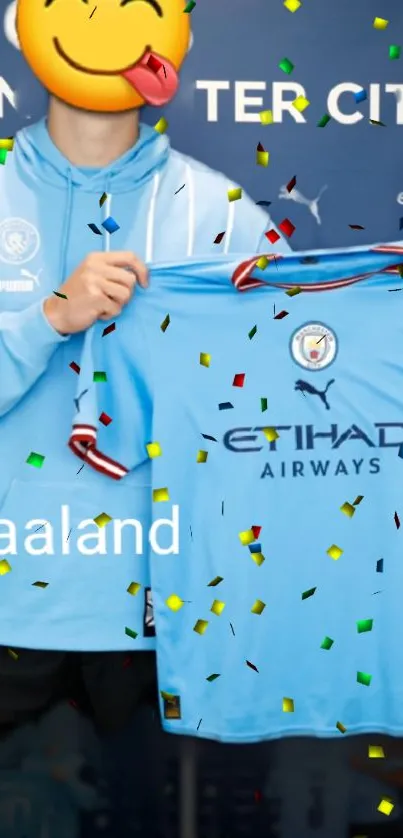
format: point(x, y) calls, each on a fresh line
point(276, 418)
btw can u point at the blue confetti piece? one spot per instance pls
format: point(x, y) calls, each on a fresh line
point(379, 566)
point(360, 96)
point(400, 451)
point(255, 548)
point(225, 406)
point(110, 225)
point(95, 229)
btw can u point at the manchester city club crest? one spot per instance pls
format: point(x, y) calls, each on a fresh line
point(313, 346)
point(19, 241)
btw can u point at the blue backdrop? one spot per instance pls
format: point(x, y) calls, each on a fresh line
point(232, 73)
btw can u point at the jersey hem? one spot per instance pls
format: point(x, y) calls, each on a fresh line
point(283, 733)
point(83, 441)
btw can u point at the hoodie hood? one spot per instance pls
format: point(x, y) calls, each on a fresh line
point(38, 159)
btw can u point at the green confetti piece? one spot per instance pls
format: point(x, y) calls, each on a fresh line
point(102, 199)
point(131, 633)
point(13, 654)
point(292, 292)
point(62, 296)
point(286, 66)
point(394, 52)
point(323, 121)
point(364, 678)
point(99, 376)
point(3, 156)
point(215, 581)
point(165, 323)
point(263, 405)
point(36, 460)
point(212, 677)
point(189, 7)
point(364, 625)
point(308, 593)
point(327, 643)
point(40, 584)
point(252, 333)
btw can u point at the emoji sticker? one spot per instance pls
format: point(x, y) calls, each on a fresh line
point(105, 55)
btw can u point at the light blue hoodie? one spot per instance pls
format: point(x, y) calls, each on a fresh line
point(46, 205)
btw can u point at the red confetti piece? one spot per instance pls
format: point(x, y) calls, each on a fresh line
point(239, 379)
point(291, 184)
point(218, 239)
point(109, 329)
point(75, 367)
point(356, 227)
point(105, 419)
point(154, 64)
point(286, 227)
point(272, 236)
point(280, 315)
point(397, 521)
point(256, 531)
point(252, 666)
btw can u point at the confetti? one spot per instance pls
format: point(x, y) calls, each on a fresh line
point(256, 547)
point(258, 607)
point(99, 376)
point(102, 520)
point(174, 602)
point(386, 806)
point(13, 654)
point(153, 450)
point(36, 460)
point(225, 406)
point(306, 594)
point(5, 567)
point(272, 236)
point(165, 323)
point(266, 117)
point(200, 626)
point(104, 419)
point(108, 329)
point(356, 227)
point(262, 263)
point(154, 64)
point(286, 66)
point(102, 199)
point(239, 379)
point(131, 633)
point(202, 456)
point(246, 537)
point(235, 194)
point(348, 509)
point(217, 607)
point(270, 434)
point(212, 677)
point(3, 156)
point(7, 144)
point(110, 225)
point(216, 581)
point(205, 359)
point(334, 552)
point(292, 5)
point(292, 183)
point(133, 588)
point(75, 367)
point(232, 629)
point(288, 705)
point(263, 203)
point(280, 315)
point(327, 643)
point(364, 678)
point(341, 727)
point(376, 752)
point(396, 520)
point(40, 584)
point(161, 126)
point(394, 52)
point(95, 229)
point(189, 7)
point(258, 557)
point(252, 666)
point(218, 239)
point(361, 96)
point(364, 625)
point(58, 294)
point(323, 121)
point(207, 436)
point(358, 500)
point(256, 531)
point(376, 122)
point(263, 405)
point(301, 103)
point(379, 566)
point(160, 495)
point(286, 227)
point(292, 292)
point(262, 156)
point(380, 23)
point(252, 332)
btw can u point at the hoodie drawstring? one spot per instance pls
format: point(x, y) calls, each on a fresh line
point(66, 229)
point(191, 210)
point(107, 209)
point(230, 226)
point(151, 220)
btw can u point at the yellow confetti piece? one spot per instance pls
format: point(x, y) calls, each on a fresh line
point(200, 627)
point(266, 117)
point(380, 23)
point(102, 520)
point(7, 145)
point(348, 509)
point(160, 495)
point(288, 705)
point(235, 194)
point(5, 567)
point(13, 654)
point(202, 456)
point(161, 125)
point(174, 602)
point(258, 607)
point(334, 552)
point(376, 752)
point(386, 806)
point(133, 588)
point(341, 727)
point(258, 558)
point(271, 434)
point(153, 450)
point(292, 5)
point(262, 158)
point(246, 537)
point(217, 607)
point(300, 103)
point(205, 359)
point(262, 263)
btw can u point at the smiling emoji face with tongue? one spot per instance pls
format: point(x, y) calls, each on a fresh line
point(105, 55)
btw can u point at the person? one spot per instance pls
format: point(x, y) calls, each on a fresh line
point(90, 197)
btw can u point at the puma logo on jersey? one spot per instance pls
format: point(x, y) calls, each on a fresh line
point(305, 387)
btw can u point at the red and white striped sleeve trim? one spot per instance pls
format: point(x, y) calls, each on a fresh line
point(83, 442)
point(243, 280)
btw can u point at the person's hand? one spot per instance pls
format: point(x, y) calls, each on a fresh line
point(97, 290)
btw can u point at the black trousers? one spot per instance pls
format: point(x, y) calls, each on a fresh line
point(108, 686)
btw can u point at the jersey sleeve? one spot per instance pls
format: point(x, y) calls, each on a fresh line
point(112, 423)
